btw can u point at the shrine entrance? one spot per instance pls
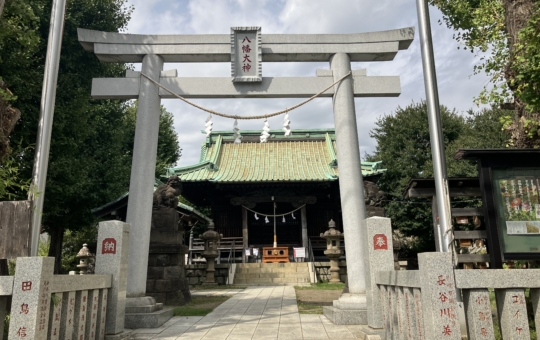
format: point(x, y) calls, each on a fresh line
point(288, 229)
point(246, 49)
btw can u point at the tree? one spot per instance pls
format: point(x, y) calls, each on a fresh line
point(88, 158)
point(404, 147)
point(510, 31)
point(169, 151)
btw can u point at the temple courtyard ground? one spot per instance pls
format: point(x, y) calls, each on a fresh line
point(256, 312)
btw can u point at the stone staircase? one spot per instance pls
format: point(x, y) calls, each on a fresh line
point(272, 274)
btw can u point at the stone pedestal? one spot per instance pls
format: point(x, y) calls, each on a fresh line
point(210, 269)
point(334, 267)
point(211, 239)
point(167, 281)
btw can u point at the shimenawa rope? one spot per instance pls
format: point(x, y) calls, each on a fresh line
point(246, 117)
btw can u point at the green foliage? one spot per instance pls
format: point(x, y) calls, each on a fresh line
point(200, 305)
point(169, 151)
point(480, 27)
point(512, 42)
point(6, 326)
point(322, 286)
point(12, 185)
point(73, 242)
point(404, 147)
point(526, 62)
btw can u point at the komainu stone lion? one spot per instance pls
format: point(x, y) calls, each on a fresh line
point(166, 195)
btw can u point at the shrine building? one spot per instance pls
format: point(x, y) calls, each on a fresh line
point(244, 182)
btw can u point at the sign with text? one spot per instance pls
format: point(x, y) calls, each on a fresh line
point(246, 54)
point(108, 246)
point(380, 242)
point(300, 252)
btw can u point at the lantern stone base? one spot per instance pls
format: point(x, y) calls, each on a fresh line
point(350, 309)
point(144, 312)
point(125, 335)
point(148, 320)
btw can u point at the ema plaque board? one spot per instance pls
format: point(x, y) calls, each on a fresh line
point(246, 54)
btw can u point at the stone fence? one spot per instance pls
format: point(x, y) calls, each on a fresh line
point(424, 303)
point(48, 306)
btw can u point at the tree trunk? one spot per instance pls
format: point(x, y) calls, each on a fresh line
point(517, 15)
point(55, 248)
point(2, 2)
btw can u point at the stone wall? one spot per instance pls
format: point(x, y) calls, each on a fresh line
point(196, 273)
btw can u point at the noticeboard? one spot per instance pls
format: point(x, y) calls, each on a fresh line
point(517, 207)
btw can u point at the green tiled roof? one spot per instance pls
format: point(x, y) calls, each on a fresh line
point(306, 156)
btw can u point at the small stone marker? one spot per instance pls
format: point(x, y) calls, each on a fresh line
point(81, 305)
point(480, 325)
point(32, 283)
point(512, 314)
point(380, 258)
point(56, 313)
point(418, 313)
point(439, 296)
point(91, 316)
point(246, 54)
point(112, 258)
point(68, 314)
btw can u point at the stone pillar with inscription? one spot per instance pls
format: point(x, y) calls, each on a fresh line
point(381, 258)
point(112, 258)
point(439, 304)
point(31, 302)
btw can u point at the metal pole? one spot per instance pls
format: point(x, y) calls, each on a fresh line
point(435, 126)
point(275, 236)
point(43, 143)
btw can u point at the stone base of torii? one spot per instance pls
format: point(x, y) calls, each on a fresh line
point(337, 49)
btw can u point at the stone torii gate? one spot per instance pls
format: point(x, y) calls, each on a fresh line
point(247, 82)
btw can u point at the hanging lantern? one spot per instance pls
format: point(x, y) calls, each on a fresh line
point(208, 125)
point(265, 134)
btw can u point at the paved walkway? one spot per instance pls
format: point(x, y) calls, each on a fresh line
point(251, 313)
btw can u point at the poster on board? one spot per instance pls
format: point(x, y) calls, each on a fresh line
point(520, 204)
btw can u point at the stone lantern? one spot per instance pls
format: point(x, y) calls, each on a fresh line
point(333, 249)
point(83, 254)
point(211, 239)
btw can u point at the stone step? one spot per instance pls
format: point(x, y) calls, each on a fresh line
point(148, 320)
point(145, 309)
point(270, 275)
point(270, 265)
point(259, 281)
point(273, 270)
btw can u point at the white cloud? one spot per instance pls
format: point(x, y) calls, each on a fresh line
point(454, 66)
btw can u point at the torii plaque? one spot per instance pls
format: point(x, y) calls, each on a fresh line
point(337, 49)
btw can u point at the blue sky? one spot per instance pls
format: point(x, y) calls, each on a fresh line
point(457, 87)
